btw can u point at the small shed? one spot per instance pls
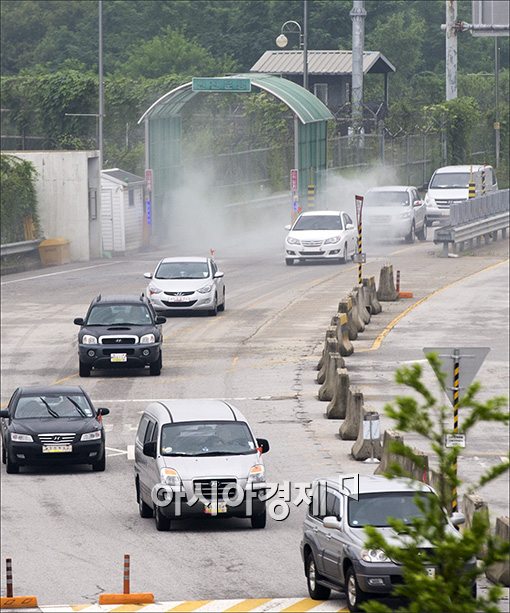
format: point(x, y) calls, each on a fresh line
point(122, 210)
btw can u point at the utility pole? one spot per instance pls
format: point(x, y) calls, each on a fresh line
point(101, 90)
point(358, 14)
point(305, 44)
point(497, 126)
point(451, 49)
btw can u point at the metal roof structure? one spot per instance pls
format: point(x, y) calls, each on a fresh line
point(319, 63)
point(307, 107)
point(122, 176)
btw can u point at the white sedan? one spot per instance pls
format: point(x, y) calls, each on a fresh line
point(191, 283)
point(320, 235)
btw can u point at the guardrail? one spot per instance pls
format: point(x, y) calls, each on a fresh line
point(20, 247)
point(473, 220)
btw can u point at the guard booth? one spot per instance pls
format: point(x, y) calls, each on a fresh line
point(163, 134)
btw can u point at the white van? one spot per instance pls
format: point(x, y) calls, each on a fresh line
point(450, 185)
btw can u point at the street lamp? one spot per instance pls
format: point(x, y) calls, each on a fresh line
point(293, 27)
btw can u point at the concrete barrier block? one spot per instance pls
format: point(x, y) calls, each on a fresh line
point(474, 504)
point(356, 317)
point(349, 429)
point(342, 333)
point(337, 408)
point(388, 457)
point(330, 333)
point(345, 306)
point(363, 447)
point(362, 306)
point(375, 305)
point(331, 347)
point(386, 291)
point(500, 571)
point(327, 389)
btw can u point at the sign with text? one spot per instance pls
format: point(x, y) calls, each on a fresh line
point(148, 179)
point(359, 208)
point(220, 84)
point(455, 440)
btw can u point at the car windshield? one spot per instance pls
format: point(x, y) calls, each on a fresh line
point(374, 199)
point(449, 180)
point(375, 509)
point(318, 222)
point(119, 314)
point(30, 407)
point(182, 270)
point(207, 439)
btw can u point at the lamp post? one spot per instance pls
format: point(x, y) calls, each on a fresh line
point(293, 27)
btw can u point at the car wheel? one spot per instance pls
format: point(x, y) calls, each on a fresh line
point(354, 595)
point(422, 234)
point(11, 467)
point(214, 311)
point(100, 466)
point(221, 307)
point(345, 257)
point(155, 367)
point(258, 521)
point(162, 523)
point(84, 369)
point(411, 236)
point(316, 591)
point(144, 509)
point(289, 261)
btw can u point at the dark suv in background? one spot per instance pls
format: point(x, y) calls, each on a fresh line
point(120, 331)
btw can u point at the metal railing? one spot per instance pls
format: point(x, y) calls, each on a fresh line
point(475, 219)
point(19, 247)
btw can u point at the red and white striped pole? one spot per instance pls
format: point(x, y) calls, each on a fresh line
point(398, 281)
point(8, 578)
point(126, 573)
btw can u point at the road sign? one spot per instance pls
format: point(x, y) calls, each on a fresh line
point(294, 180)
point(148, 179)
point(148, 210)
point(359, 208)
point(469, 359)
point(359, 258)
point(455, 440)
point(220, 84)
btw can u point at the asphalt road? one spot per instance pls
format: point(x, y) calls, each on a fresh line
point(67, 529)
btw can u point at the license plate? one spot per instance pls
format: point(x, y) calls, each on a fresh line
point(181, 299)
point(431, 571)
point(57, 448)
point(213, 508)
point(118, 357)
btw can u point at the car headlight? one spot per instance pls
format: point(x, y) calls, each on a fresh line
point(91, 436)
point(333, 239)
point(293, 241)
point(21, 438)
point(154, 290)
point(374, 555)
point(205, 290)
point(147, 338)
point(88, 339)
point(170, 476)
point(256, 474)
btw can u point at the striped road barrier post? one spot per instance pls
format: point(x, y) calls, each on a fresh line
point(456, 389)
point(127, 597)
point(9, 601)
point(472, 188)
point(311, 196)
point(359, 258)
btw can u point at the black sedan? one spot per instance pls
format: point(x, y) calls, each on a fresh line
point(52, 424)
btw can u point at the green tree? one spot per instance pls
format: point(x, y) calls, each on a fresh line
point(450, 590)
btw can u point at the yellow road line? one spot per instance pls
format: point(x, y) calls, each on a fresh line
point(80, 607)
point(65, 379)
point(191, 605)
point(248, 605)
point(303, 605)
point(126, 608)
point(378, 341)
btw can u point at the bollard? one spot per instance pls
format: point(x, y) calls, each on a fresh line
point(342, 333)
point(398, 281)
point(388, 457)
point(369, 285)
point(345, 306)
point(331, 347)
point(386, 291)
point(363, 303)
point(367, 446)
point(349, 429)
point(9, 601)
point(330, 333)
point(127, 597)
point(327, 389)
point(356, 317)
point(337, 408)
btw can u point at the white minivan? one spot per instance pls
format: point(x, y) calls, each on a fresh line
point(450, 185)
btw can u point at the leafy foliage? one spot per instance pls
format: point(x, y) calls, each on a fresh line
point(450, 590)
point(17, 197)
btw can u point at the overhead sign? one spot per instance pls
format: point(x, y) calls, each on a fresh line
point(469, 359)
point(220, 84)
point(148, 179)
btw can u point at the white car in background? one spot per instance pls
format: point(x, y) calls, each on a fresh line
point(394, 211)
point(320, 235)
point(190, 283)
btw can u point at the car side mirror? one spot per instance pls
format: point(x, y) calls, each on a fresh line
point(218, 275)
point(149, 449)
point(4, 413)
point(79, 321)
point(287, 227)
point(332, 522)
point(349, 226)
point(103, 411)
point(263, 444)
point(458, 518)
point(160, 319)
point(417, 203)
point(147, 275)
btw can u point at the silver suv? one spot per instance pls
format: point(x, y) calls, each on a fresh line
point(333, 546)
point(198, 458)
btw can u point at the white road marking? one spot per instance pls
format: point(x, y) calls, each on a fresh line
point(130, 452)
point(110, 400)
point(116, 452)
point(59, 272)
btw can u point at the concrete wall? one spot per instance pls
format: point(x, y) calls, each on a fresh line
point(66, 181)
